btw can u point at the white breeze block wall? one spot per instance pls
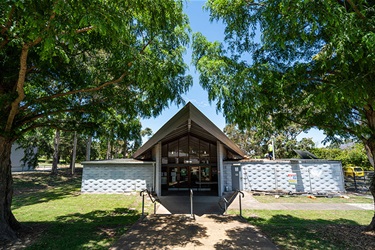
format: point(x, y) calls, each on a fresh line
point(295, 176)
point(116, 178)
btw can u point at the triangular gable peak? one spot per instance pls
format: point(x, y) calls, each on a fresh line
point(189, 121)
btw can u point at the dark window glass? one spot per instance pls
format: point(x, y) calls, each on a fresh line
point(204, 152)
point(193, 150)
point(184, 149)
point(164, 150)
point(173, 152)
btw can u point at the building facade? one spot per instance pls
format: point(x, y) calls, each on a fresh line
point(190, 152)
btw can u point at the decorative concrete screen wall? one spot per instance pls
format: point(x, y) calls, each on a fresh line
point(311, 176)
point(116, 176)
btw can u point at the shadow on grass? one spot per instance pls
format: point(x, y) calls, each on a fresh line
point(290, 232)
point(95, 230)
point(157, 232)
point(43, 187)
point(251, 236)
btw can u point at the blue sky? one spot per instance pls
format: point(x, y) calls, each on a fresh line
point(199, 22)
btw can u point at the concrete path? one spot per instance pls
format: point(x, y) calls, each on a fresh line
point(182, 232)
point(249, 202)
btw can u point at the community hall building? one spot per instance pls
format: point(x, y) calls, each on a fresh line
point(191, 153)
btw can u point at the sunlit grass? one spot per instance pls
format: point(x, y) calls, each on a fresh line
point(297, 229)
point(307, 199)
point(71, 220)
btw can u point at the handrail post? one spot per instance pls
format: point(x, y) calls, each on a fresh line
point(154, 207)
point(191, 204)
point(225, 205)
point(243, 195)
point(143, 202)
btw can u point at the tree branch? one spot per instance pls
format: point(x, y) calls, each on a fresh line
point(251, 3)
point(6, 27)
point(103, 85)
point(356, 10)
point(19, 88)
point(82, 30)
point(119, 79)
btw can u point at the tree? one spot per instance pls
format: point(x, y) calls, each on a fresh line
point(36, 143)
point(80, 59)
point(305, 62)
point(248, 140)
point(55, 158)
point(255, 142)
point(350, 156)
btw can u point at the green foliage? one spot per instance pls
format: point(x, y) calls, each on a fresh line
point(255, 142)
point(354, 155)
point(283, 62)
point(89, 62)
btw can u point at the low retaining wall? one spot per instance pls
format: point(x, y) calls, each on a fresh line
point(311, 176)
point(116, 176)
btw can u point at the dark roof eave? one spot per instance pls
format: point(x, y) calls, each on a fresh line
point(189, 111)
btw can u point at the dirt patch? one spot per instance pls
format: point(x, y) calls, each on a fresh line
point(351, 236)
point(26, 237)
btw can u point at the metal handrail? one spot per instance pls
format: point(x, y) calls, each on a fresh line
point(225, 205)
point(191, 204)
point(226, 202)
point(233, 196)
point(243, 195)
point(152, 198)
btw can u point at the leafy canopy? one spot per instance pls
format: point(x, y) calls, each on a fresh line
point(89, 60)
point(283, 61)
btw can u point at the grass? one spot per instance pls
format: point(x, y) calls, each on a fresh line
point(62, 218)
point(309, 229)
point(305, 199)
point(67, 219)
point(314, 229)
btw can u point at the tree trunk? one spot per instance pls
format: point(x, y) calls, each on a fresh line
point(370, 149)
point(8, 223)
point(56, 144)
point(74, 153)
point(125, 149)
point(88, 148)
point(371, 227)
point(108, 150)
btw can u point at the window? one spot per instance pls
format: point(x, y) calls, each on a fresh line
point(189, 150)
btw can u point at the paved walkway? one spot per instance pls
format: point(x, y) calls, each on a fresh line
point(182, 232)
point(249, 202)
point(173, 227)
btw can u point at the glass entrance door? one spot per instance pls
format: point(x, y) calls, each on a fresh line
point(198, 178)
point(178, 178)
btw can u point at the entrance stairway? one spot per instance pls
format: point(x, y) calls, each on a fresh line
point(181, 205)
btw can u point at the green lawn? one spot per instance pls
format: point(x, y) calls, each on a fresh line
point(67, 219)
point(62, 218)
point(302, 229)
point(314, 229)
point(305, 199)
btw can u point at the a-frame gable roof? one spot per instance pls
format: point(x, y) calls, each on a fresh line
point(189, 120)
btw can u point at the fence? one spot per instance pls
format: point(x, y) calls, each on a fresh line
point(356, 183)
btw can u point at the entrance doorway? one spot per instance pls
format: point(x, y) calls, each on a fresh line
point(180, 179)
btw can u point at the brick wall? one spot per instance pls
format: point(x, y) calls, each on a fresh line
point(308, 176)
point(116, 178)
